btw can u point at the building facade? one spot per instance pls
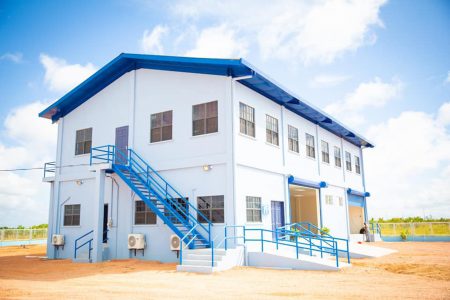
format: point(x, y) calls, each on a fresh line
point(238, 147)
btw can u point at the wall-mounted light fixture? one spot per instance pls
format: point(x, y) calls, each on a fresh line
point(79, 182)
point(207, 168)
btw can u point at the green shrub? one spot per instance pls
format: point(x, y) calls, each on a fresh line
point(324, 230)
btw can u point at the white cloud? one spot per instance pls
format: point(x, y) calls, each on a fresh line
point(14, 57)
point(372, 94)
point(151, 40)
point(61, 76)
point(444, 114)
point(327, 80)
point(308, 32)
point(406, 171)
point(220, 42)
point(26, 141)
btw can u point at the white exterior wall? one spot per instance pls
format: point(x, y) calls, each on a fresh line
point(241, 166)
point(268, 169)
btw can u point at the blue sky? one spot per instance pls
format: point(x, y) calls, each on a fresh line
point(381, 67)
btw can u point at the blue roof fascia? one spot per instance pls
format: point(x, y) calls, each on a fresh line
point(258, 82)
point(283, 96)
point(127, 62)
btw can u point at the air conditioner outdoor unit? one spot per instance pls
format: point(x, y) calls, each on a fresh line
point(175, 242)
point(136, 241)
point(58, 240)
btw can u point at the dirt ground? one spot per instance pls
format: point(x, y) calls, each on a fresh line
point(417, 271)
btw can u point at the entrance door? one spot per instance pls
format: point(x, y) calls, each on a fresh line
point(105, 223)
point(121, 145)
point(277, 208)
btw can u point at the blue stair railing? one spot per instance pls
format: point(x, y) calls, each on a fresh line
point(161, 197)
point(88, 242)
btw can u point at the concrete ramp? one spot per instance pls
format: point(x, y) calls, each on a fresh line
point(367, 251)
point(277, 261)
point(285, 258)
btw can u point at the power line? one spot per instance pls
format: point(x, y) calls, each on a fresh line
point(41, 168)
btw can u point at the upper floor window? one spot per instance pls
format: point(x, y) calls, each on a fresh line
point(310, 146)
point(348, 161)
point(357, 165)
point(212, 207)
point(247, 119)
point(325, 152)
point(341, 201)
point(72, 214)
point(205, 118)
point(83, 142)
point(329, 199)
point(293, 138)
point(143, 215)
point(271, 130)
point(253, 209)
point(161, 126)
point(337, 157)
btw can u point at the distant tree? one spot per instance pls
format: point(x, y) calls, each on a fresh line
point(20, 227)
point(40, 226)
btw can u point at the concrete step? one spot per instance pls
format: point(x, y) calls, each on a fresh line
point(206, 251)
point(196, 269)
point(202, 257)
point(81, 260)
point(196, 262)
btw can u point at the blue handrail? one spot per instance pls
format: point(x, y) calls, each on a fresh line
point(87, 242)
point(330, 247)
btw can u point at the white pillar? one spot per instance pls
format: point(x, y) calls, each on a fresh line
point(97, 243)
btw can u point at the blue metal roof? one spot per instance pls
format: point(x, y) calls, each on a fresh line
point(225, 67)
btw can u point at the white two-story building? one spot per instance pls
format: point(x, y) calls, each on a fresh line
point(223, 141)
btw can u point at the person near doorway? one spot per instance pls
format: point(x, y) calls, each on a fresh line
point(367, 232)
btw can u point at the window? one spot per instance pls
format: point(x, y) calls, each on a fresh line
point(212, 207)
point(161, 127)
point(337, 156)
point(181, 206)
point(348, 161)
point(329, 199)
point(247, 117)
point(310, 148)
point(253, 209)
point(341, 201)
point(204, 118)
point(143, 215)
point(357, 165)
point(293, 138)
point(271, 130)
point(72, 215)
point(325, 152)
point(83, 141)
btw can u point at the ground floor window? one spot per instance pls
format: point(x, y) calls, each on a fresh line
point(72, 214)
point(212, 207)
point(143, 215)
point(253, 209)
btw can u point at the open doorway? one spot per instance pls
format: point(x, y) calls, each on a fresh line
point(304, 205)
point(356, 218)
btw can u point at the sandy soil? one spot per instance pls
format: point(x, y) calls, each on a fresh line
point(417, 271)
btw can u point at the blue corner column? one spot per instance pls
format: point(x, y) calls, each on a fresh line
point(97, 243)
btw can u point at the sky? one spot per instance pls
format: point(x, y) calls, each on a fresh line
point(380, 67)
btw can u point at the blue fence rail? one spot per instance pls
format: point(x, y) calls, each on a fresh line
point(49, 169)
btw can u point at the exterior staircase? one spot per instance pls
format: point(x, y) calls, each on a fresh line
point(166, 202)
